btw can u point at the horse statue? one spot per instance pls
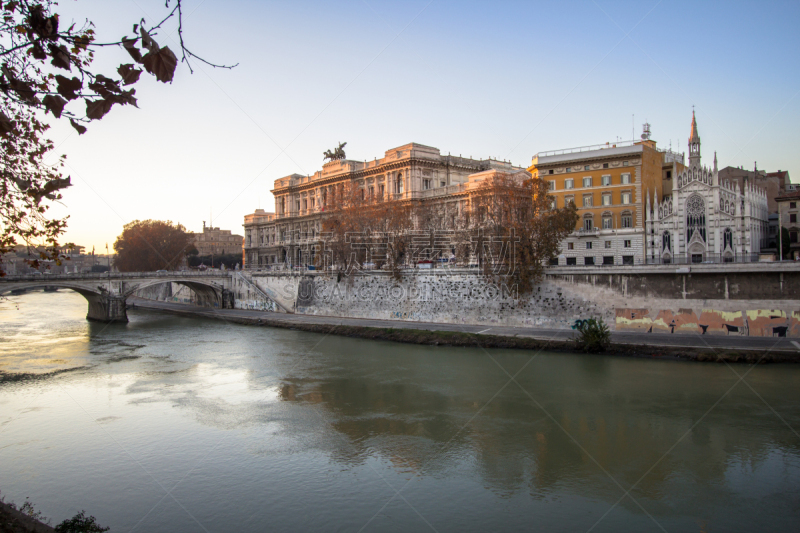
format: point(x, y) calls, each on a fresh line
point(336, 154)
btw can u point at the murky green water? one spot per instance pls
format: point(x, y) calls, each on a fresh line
point(177, 424)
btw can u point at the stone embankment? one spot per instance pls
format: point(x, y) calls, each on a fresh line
point(739, 300)
point(711, 349)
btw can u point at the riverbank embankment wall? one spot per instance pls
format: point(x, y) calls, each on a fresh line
point(754, 299)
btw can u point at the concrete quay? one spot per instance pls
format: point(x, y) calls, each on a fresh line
point(696, 347)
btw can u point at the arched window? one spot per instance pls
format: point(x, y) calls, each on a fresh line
point(399, 184)
point(695, 217)
point(727, 239)
point(666, 241)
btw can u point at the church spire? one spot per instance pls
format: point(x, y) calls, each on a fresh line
point(694, 144)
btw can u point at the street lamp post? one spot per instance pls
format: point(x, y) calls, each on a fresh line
point(108, 259)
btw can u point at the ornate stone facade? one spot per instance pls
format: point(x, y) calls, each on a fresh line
point(216, 241)
point(702, 219)
point(412, 173)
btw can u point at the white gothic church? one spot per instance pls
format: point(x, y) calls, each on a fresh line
point(702, 220)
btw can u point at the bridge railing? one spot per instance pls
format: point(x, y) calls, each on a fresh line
point(118, 275)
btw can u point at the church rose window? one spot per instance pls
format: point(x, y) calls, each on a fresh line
point(695, 217)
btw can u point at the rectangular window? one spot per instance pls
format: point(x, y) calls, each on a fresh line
point(607, 223)
point(793, 236)
point(793, 218)
point(569, 200)
point(442, 183)
point(669, 174)
point(570, 246)
point(313, 202)
point(569, 169)
point(587, 200)
point(626, 179)
point(605, 165)
point(627, 244)
point(380, 190)
point(554, 261)
point(606, 199)
point(627, 260)
point(606, 180)
point(589, 245)
point(608, 259)
point(626, 198)
point(588, 260)
point(792, 205)
point(551, 185)
point(587, 224)
point(569, 184)
point(586, 167)
point(624, 163)
point(426, 184)
point(550, 171)
point(608, 244)
point(554, 204)
point(627, 222)
point(571, 261)
point(587, 181)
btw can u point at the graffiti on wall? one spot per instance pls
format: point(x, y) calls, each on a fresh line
point(755, 322)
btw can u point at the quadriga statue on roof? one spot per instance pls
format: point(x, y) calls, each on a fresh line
point(336, 154)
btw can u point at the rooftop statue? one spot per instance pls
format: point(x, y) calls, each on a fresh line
point(336, 154)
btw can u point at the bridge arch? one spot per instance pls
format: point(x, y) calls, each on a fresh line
point(102, 306)
point(107, 293)
point(209, 293)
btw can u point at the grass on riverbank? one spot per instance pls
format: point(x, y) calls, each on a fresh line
point(26, 519)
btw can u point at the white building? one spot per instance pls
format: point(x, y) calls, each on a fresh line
point(701, 220)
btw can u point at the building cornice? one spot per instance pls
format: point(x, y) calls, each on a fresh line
point(381, 169)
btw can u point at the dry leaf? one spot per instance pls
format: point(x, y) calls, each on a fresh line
point(68, 87)
point(96, 109)
point(129, 73)
point(130, 46)
point(55, 104)
point(80, 129)
point(61, 57)
point(161, 64)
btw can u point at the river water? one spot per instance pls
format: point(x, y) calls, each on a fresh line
point(182, 424)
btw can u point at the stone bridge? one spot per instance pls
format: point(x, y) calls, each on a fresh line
point(107, 292)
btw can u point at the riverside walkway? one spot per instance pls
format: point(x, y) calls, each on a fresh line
point(653, 340)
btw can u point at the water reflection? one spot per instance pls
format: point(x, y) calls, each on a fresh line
point(625, 418)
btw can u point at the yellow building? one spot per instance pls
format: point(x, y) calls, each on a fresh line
point(608, 183)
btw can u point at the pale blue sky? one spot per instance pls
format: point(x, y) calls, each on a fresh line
point(499, 79)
